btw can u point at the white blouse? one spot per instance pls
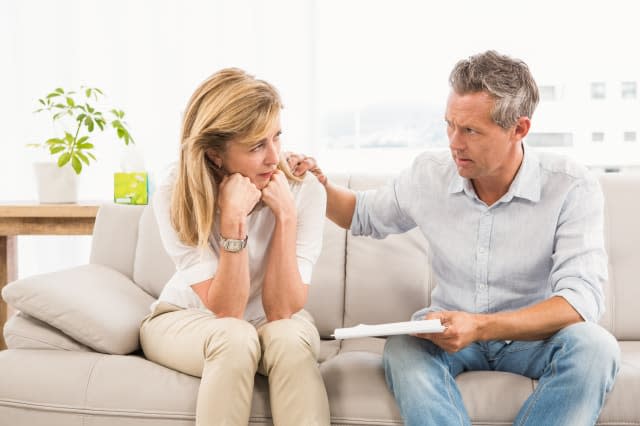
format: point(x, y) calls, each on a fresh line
point(195, 265)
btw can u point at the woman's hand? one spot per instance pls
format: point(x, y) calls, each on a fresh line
point(278, 197)
point(237, 196)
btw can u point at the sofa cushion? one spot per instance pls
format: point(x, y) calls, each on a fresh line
point(153, 267)
point(25, 332)
point(114, 237)
point(386, 280)
point(95, 305)
point(622, 236)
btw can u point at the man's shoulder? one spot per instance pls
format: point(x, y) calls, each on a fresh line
point(433, 163)
point(562, 166)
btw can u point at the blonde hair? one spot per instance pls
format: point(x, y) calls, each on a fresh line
point(229, 105)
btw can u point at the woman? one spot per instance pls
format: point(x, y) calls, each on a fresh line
point(244, 235)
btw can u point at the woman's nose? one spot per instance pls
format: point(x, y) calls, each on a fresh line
point(273, 154)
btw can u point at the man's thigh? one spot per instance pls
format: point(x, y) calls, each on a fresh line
point(531, 358)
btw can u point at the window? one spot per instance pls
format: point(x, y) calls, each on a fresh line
point(598, 90)
point(550, 139)
point(630, 136)
point(548, 93)
point(597, 137)
point(629, 90)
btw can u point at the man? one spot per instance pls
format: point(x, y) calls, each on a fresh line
point(518, 255)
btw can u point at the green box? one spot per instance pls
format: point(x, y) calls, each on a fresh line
point(131, 188)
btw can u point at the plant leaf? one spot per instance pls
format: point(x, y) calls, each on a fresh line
point(85, 146)
point(83, 157)
point(81, 140)
point(56, 149)
point(70, 102)
point(92, 156)
point(76, 164)
point(64, 159)
point(54, 141)
point(59, 90)
point(68, 137)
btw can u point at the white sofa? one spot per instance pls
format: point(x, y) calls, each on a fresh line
point(52, 378)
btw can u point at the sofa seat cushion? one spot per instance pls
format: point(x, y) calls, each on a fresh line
point(52, 387)
point(623, 403)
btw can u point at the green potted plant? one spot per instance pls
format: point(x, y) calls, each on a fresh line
point(78, 114)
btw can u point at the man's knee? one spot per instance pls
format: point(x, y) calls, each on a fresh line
point(402, 350)
point(593, 342)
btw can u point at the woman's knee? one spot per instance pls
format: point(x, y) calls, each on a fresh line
point(234, 339)
point(291, 339)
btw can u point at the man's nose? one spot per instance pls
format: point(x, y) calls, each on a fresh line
point(455, 141)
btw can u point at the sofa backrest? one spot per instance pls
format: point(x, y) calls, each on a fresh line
point(361, 280)
point(622, 236)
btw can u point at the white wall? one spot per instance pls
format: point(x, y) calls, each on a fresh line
point(323, 55)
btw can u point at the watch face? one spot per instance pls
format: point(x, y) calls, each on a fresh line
point(233, 245)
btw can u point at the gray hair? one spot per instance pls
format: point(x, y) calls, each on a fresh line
point(506, 79)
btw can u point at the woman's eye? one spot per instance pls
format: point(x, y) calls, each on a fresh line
point(257, 147)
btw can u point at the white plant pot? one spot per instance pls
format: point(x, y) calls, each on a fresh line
point(56, 184)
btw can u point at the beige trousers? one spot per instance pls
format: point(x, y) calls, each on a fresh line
point(227, 352)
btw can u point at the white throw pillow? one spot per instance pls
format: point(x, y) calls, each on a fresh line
point(95, 305)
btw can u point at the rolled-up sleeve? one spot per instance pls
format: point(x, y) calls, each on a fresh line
point(193, 265)
point(579, 259)
point(379, 212)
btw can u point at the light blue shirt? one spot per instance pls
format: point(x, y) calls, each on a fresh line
point(543, 238)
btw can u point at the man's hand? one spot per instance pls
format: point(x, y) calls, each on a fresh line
point(277, 196)
point(461, 329)
point(299, 164)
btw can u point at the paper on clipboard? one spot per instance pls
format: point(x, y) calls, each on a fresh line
point(389, 329)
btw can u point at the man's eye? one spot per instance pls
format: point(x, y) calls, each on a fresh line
point(469, 130)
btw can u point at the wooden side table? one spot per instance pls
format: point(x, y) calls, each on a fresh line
point(24, 218)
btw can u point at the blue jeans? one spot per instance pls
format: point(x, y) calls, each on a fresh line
point(576, 367)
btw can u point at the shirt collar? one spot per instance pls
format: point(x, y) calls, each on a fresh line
point(525, 185)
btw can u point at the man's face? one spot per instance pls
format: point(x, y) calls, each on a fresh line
point(479, 147)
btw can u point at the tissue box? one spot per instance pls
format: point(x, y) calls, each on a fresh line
point(131, 188)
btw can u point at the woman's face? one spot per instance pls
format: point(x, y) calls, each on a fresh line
point(256, 160)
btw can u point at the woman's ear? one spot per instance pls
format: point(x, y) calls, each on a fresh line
point(214, 157)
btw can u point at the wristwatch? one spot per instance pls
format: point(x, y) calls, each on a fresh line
point(231, 245)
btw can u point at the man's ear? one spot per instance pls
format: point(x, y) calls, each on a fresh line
point(521, 128)
point(214, 157)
